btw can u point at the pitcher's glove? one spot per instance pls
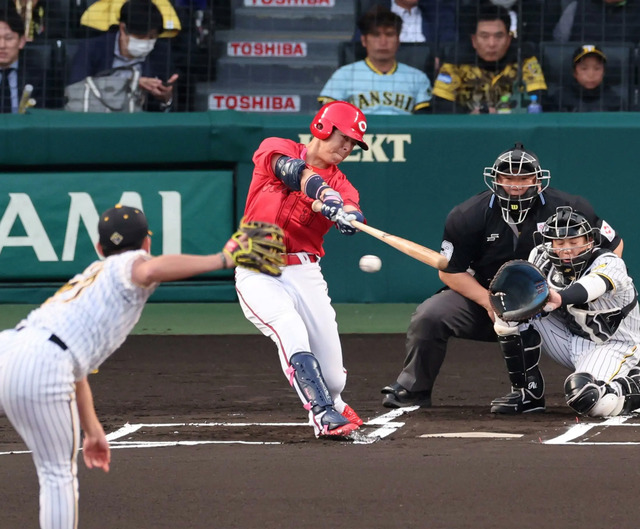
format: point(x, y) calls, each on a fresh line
point(258, 246)
point(518, 291)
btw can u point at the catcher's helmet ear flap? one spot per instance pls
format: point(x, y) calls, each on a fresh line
point(345, 117)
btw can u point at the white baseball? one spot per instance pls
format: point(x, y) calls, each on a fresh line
point(370, 263)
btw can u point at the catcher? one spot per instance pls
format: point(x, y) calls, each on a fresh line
point(480, 235)
point(294, 310)
point(574, 301)
point(45, 360)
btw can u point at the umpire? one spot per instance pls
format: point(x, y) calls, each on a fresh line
point(480, 235)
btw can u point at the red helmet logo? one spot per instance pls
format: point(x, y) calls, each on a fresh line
point(345, 117)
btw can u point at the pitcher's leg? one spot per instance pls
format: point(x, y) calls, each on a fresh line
point(39, 401)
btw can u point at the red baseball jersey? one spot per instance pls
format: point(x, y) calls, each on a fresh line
point(269, 200)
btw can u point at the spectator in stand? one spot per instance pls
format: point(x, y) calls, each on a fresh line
point(589, 90)
point(379, 84)
point(539, 17)
point(431, 21)
point(15, 72)
point(598, 21)
point(487, 70)
point(134, 43)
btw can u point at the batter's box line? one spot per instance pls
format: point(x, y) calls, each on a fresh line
point(581, 429)
point(385, 427)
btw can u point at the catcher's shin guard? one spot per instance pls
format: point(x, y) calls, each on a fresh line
point(522, 354)
point(592, 397)
point(306, 376)
point(630, 386)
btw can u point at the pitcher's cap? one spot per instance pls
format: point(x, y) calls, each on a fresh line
point(122, 227)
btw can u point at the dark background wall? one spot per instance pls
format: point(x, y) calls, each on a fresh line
point(419, 167)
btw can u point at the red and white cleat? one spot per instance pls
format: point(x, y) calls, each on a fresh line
point(352, 416)
point(331, 424)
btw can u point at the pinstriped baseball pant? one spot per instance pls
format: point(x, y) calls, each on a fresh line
point(605, 361)
point(37, 395)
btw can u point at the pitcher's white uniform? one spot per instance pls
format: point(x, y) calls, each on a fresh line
point(57, 344)
point(573, 337)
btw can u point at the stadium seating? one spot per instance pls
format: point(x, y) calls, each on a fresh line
point(556, 62)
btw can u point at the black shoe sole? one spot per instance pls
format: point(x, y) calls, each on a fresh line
point(391, 401)
point(503, 410)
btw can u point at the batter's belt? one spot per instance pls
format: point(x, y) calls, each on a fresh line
point(300, 258)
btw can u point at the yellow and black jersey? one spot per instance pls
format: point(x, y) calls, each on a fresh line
point(472, 85)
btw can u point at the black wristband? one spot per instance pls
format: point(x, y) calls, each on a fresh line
point(314, 185)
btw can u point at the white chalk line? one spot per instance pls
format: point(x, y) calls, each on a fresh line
point(385, 423)
point(579, 430)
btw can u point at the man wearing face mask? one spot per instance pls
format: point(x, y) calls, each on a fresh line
point(133, 43)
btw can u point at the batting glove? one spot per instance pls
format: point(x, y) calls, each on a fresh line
point(331, 205)
point(343, 221)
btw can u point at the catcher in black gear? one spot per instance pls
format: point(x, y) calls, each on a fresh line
point(480, 235)
point(575, 302)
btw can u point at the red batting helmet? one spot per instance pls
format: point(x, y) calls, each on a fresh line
point(347, 118)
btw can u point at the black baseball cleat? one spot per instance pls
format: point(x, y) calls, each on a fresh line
point(396, 396)
point(517, 402)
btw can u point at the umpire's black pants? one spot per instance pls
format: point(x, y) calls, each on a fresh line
point(443, 315)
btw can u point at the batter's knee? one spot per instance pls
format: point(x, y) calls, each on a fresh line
point(591, 397)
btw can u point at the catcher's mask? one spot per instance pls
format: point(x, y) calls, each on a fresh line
point(345, 117)
point(568, 224)
point(513, 167)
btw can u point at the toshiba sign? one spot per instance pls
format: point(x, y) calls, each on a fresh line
point(266, 49)
point(289, 3)
point(254, 103)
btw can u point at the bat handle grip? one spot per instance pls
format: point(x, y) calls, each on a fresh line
point(317, 206)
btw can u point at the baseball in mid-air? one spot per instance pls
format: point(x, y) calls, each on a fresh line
point(370, 263)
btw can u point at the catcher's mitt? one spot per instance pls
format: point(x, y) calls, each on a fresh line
point(262, 250)
point(518, 291)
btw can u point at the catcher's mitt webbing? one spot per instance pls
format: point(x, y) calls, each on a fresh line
point(518, 291)
point(263, 251)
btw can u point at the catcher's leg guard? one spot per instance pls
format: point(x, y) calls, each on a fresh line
point(306, 376)
point(522, 354)
point(630, 388)
point(592, 397)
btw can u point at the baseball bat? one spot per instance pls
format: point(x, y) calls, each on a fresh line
point(412, 249)
point(24, 100)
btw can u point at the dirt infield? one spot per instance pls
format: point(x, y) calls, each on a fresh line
point(216, 439)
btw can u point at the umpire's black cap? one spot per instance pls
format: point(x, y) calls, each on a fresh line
point(122, 228)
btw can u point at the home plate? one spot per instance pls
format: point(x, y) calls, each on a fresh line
point(472, 435)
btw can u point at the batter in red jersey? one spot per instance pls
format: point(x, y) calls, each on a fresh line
point(294, 310)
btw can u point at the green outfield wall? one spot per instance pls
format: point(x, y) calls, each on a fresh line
point(190, 173)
